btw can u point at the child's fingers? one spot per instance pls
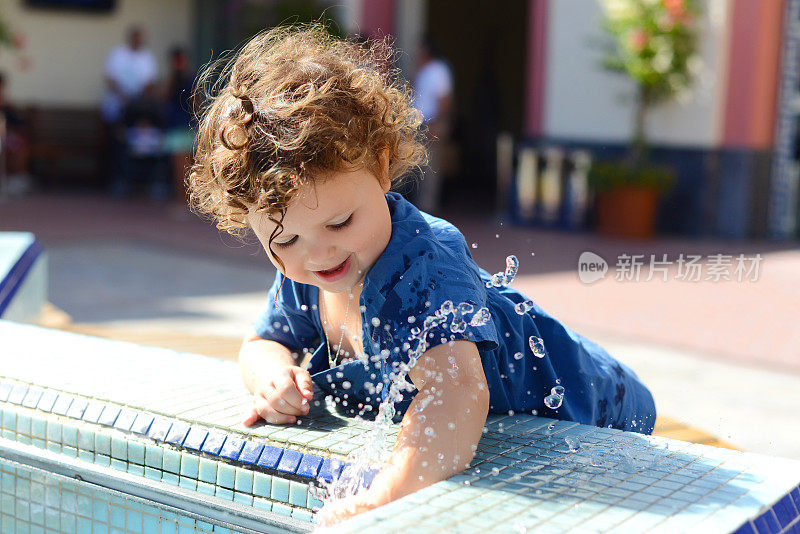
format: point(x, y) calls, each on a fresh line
point(304, 383)
point(267, 411)
point(286, 397)
point(252, 418)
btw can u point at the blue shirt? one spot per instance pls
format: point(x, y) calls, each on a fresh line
point(426, 264)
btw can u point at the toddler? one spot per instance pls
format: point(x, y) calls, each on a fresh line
point(302, 145)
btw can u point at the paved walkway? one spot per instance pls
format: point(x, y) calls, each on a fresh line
point(722, 356)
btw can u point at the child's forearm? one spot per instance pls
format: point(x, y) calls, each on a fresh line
point(259, 357)
point(436, 440)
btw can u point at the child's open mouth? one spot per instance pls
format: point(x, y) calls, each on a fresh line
point(338, 272)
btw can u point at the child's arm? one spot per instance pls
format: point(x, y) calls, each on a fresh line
point(439, 433)
point(281, 389)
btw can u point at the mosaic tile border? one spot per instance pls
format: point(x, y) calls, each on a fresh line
point(209, 461)
point(179, 433)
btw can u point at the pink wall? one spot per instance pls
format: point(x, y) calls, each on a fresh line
point(753, 63)
point(535, 66)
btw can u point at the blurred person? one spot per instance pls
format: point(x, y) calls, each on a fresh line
point(433, 97)
point(130, 74)
point(142, 155)
point(179, 119)
point(14, 145)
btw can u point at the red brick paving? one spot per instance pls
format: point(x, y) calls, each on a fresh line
point(754, 322)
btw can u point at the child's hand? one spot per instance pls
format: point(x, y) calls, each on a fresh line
point(282, 397)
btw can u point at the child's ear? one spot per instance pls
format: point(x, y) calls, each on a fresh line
point(383, 167)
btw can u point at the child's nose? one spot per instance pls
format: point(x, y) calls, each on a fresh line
point(321, 251)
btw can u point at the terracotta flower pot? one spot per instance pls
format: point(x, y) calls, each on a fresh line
point(627, 212)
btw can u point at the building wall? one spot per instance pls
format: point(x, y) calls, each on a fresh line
point(66, 50)
point(583, 101)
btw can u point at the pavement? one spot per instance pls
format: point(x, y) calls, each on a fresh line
point(721, 355)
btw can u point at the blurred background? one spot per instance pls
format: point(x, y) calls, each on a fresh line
point(646, 132)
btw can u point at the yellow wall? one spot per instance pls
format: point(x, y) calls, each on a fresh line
point(66, 50)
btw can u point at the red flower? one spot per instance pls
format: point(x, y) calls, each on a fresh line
point(638, 39)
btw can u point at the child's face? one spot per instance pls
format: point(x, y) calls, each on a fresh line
point(333, 231)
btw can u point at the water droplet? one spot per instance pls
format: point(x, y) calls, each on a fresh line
point(481, 317)
point(495, 471)
point(574, 444)
point(465, 307)
point(497, 236)
point(537, 346)
point(375, 321)
point(523, 307)
point(429, 431)
point(518, 356)
point(512, 266)
point(555, 399)
point(411, 319)
point(474, 245)
point(303, 307)
point(346, 384)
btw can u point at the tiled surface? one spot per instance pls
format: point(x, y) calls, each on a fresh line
point(533, 474)
point(32, 501)
point(184, 465)
point(528, 473)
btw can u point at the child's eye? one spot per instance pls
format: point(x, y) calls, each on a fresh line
point(285, 243)
point(342, 224)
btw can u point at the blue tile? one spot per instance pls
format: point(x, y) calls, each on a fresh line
point(109, 415)
point(309, 465)
point(32, 397)
point(767, 524)
point(269, 457)
point(795, 494)
point(142, 423)
point(77, 408)
point(5, 390)
point(330, 469)
point(232, 448)
point(177, 433)
point(159, 429)
point(290, 461)
point(213, 443)
point(48, 400)
point(195, 438)
point(785, 511)
point(251, 452)
point(17, 394)
point(747, 528)
point(93, 411)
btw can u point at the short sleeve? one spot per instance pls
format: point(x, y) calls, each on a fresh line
point(288, 318)
point(438, 298)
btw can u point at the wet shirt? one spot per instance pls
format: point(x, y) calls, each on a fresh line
point(425, 289)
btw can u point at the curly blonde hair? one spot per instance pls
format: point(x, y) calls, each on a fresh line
point(291, 104)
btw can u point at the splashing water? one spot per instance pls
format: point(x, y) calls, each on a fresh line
point(523, 307)
point(505, 278)
point(556, 397)
point(537, 346)
point(372, 455)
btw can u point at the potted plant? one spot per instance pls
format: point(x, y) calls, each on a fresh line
point(654, 43)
